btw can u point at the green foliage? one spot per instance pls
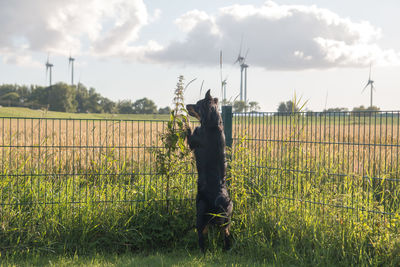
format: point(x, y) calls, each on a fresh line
point(144, 106)
point(11, 96)
point(89, 101)
point(35, 113)
point(141, 106)
point(254, 106)
point(239, 106)
point(61, 97)
point(178, 258)
point(291, 106)
point(332, 110)
point(166, 110)
point(173, 157)
point(67, 98)
point(361, 111)
point(125, 107)
point(287, 107)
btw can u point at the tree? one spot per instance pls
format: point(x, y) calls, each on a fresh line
point(166, 110)
point(61, 97)
point(336, 110)
point(11, 96)
point(39, 96)
point(107, 105)
point(287, 108)
point(14, 95)
point(226, 102)
point(93, 101)
point(239, 106)
point(82, 96)
point(144, 106)
point(24, 92)
point(125, 107)
point(362, 111)
point(254, 106)
point(282, 107)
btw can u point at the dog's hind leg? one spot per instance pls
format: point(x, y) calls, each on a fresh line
point(200, 222)
point(227, 239)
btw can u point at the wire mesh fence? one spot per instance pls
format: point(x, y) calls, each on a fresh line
point(75, 161)
point(345, 161)
point(341, 160)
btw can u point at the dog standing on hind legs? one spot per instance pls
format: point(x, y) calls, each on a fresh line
point(213, 205)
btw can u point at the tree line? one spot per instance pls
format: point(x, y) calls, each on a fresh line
point(67, 98)
point(289, 107)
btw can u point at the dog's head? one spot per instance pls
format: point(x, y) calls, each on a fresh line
point(206, 111)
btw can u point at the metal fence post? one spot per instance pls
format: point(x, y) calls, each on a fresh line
point(227, 119)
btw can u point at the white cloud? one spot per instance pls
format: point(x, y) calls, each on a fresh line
point(278, 36)
point(21, 58)
point(99, 27)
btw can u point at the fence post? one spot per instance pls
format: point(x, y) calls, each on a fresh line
point(227, 119)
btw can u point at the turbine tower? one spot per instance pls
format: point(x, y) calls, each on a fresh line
point(223, 81)
point(243, 74)
point(71, 65)
point(371, 84)
point(49, 68)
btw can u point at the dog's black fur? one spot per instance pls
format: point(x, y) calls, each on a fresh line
point(208, 142)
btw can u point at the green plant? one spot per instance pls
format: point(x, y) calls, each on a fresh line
point(173, 156)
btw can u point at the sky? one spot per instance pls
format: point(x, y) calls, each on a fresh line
point(318, 50)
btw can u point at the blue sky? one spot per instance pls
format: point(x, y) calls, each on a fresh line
point(129, 49)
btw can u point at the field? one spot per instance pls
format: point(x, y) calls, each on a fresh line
point(307, 191)
point(36, 113)
point(179, 258)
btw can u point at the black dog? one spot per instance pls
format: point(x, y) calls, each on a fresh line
point(208, 142)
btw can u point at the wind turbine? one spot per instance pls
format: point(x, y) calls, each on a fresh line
point(223, 81)
point(71, 65)
point(49, 68)
point(243, 73)
point(371, 84)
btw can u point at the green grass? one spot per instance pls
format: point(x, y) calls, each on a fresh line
point(178, 258)
point(34, 113)
point(108, 206)
point(264, 228)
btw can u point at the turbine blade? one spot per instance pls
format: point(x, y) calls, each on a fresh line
point(365, 87)
point(201, 87)
point(236, 97)
point(244, 59)
point(241, 43)
point(240, 51)
point(220, 59)
point(369, 72)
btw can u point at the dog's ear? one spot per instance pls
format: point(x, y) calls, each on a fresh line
point(208, 95)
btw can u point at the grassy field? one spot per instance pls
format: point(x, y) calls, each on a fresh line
point(302, 195)
point(179, 258)
point(35, 113)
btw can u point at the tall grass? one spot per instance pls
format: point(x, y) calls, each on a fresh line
point(265, 224)
point(80, 186)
